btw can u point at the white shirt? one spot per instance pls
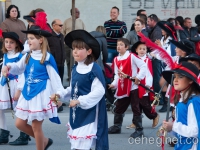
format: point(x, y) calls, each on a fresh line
point(135, 64)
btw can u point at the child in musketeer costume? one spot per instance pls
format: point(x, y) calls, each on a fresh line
point(127, 91)
point(194, 59)
point(140, 49)
point(183, 49)
point(41, 80)
point(187, 119)
point(87, 125)
point(12, 48)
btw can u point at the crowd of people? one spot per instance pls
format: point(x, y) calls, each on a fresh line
point(156, 57)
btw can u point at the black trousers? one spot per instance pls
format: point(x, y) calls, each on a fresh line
point(133, 99)
point(145, 106)
point(136, 105)
point(61, 72)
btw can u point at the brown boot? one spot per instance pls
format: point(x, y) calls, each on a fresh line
point(155, 121)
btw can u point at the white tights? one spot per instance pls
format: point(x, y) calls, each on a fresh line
point(2, 120)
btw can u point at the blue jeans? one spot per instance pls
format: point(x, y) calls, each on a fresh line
point(112, 53)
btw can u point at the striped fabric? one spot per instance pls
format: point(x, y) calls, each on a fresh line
point(114, 31)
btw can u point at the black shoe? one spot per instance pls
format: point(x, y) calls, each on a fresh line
point(164, 107)
point(139, 129)
point(60, 109)
point(63, 104)
point(4, 134)
point(108, 107)
point(50, 142)
point(21, 140)
point(114, 130)
point(137, 134)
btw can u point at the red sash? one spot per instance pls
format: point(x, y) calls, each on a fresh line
point(141, 90)
point(124, 85)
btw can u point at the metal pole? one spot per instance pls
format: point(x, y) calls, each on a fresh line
point(73, 15)
point(73, 28)
point(2, 10)
point(176, 8)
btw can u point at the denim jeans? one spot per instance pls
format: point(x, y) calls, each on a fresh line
point(112, 53)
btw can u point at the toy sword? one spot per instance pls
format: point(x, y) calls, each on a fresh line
point(11, 103)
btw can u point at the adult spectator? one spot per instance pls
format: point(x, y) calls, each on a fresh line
point(13, 24)
point(171, 20)
point(56, 45)
point(133, 35)
point(179, 21)
point(141, 12)
point(189, 32)
point(155, 34)
point(197, 21)
point(67, 27)
point(115, 29)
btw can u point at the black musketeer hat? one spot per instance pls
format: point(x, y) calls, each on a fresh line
point(184, 68)
point(184, 45)
point(40, 28)
point(168, 28)
point(85, 37)
point(29, 18)
point(192, 56)
point(134, 47)
point(37, 31)
point(14, 36)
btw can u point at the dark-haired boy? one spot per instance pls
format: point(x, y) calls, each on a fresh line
point(127, 91)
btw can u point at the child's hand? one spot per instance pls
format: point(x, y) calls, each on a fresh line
point(55, 98)
point(17, 94)
point(5, 70)
point(110, 86)
point(137, 81)
point(167, 125)
point(147, 91)
point(73, 103)
point(158, 43)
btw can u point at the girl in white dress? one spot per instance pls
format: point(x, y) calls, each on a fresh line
point(87, 125)
point(41, 80)
point(12, 48)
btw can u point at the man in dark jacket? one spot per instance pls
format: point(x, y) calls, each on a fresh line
point(154, 35)
point(56, 44)
point(189, 32)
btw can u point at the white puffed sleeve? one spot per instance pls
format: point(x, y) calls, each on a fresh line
point(18, 68)
point(189, 130)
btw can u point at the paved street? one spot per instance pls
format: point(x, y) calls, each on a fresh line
point(116, 142)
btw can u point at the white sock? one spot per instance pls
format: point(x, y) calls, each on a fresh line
point(2, 120)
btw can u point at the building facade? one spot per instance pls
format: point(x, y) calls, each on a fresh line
point(96, 12)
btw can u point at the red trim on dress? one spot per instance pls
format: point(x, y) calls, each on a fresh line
point(89, 137)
